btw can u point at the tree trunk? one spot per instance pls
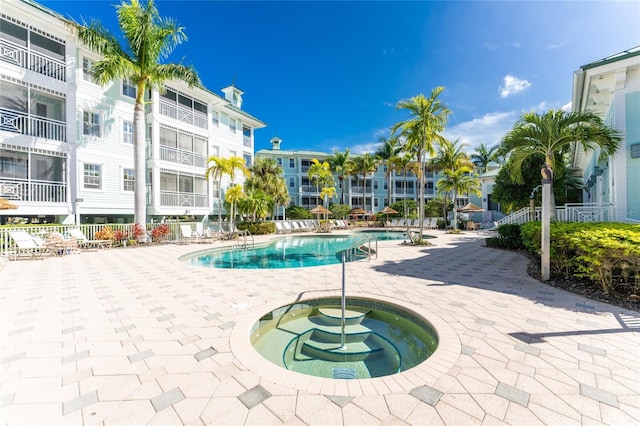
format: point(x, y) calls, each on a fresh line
point(421, 212)
point(140, 178)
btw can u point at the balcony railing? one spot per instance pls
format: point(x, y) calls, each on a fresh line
point(182, 157)
point(184, 114)
point(310, 189)
point(25, 124)
point(34, 61)
point(33, 191)
point(183, 199)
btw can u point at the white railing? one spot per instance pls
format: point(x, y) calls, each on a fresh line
point(39, 192)
point(182, 157)
point(34, 61)
point(25, 124)
point(8, 247)
point(310, 189)
point(567, 213)
point(183, 114)
point(183, 199)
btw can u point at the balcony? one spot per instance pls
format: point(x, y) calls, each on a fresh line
point(310, 189)
point(182, 157)
point(25, 124)
point(184, 115)
point(183, 199)
point(34, 61)
point(33, 191)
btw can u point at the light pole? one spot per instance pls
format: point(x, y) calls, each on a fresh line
point(547, 179)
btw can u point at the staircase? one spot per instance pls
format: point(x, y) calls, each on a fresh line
point(567, 213)
point(320, 348)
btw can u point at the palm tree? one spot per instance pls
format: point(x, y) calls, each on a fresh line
point(451, 156)
point(428, 118)
point(149, 39)
point(218, 168)
point(342, 164)
point(554, 134)
point(405, 165)
point(458, 181)
point(237, 163)
point(233, 196)
point(267, 176)
point(483, 156)
point(320, 173)
point(366, 164)
point(390, 148)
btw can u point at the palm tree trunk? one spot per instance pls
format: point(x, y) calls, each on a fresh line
point(421, 212)
point(140, 178)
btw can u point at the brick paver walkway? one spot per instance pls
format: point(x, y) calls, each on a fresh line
point(134, 336)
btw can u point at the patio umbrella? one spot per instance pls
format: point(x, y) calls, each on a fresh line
point(358, 211)
point(470, 208)
point(7, 205)
point(387, 211)
point(318, 210)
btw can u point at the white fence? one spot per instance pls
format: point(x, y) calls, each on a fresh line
point(566, 213)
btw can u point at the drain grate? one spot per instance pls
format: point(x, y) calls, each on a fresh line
point(344, 373)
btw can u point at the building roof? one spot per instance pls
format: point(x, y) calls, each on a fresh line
point(629, 53)
point(285, 152)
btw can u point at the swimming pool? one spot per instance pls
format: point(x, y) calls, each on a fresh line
point(386, 234)
point(287, 252)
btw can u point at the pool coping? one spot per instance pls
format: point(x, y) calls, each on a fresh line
point(439, 363)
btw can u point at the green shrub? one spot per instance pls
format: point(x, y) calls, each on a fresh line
point(605, 253)
point(257, 228)
point(508, 238)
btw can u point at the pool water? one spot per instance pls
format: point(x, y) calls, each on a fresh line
point(386, 235)
point(288, 252)
point(308, 340)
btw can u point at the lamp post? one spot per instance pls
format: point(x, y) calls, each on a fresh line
point(78, 201)
point(547, 179)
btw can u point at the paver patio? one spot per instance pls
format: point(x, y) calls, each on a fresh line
point(133, 336)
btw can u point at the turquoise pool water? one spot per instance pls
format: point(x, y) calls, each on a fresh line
point(379, 339)
point(288, 252)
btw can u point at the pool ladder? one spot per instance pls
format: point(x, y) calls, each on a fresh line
point(243, 240)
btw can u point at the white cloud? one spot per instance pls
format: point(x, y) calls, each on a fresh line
point(517, 44)
point(556, 45)
point(363, 148)
point(489, 46)
point(488, 129)
point(512, 85)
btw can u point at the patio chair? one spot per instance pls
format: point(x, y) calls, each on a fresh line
point(85, 243)
point(56, 244)
point(203, 234)
point(26, 244)
point(187, 234)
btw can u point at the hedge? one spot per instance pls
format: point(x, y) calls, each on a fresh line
point(257, 228)
point(607, 253)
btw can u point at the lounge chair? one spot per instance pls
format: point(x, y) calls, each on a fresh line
point(187, 234)
point(203, 234)
point(26, 245)
point(85, 243)
point(56, 244)
point(279, 227)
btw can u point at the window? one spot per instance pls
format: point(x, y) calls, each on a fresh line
point(292, 182)
point(246, 131)
point(292, 163)
point(279, 160)
point(128, 88)
point(247, 159)
point(127, 132)
point(232, 125)
point(375, 184)
point(92, 176)
point(127, 180)
point(91, 123)
point(215, 150)
point(215, 119)
point(87, 75)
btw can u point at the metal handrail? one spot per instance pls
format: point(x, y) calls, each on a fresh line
point(356, 248)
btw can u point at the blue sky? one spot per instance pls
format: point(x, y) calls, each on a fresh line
point(327, 75)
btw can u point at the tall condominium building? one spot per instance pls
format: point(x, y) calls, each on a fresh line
point(66, 143)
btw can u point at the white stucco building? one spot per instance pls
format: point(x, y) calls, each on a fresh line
point(611, 88)
point(66, 143)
